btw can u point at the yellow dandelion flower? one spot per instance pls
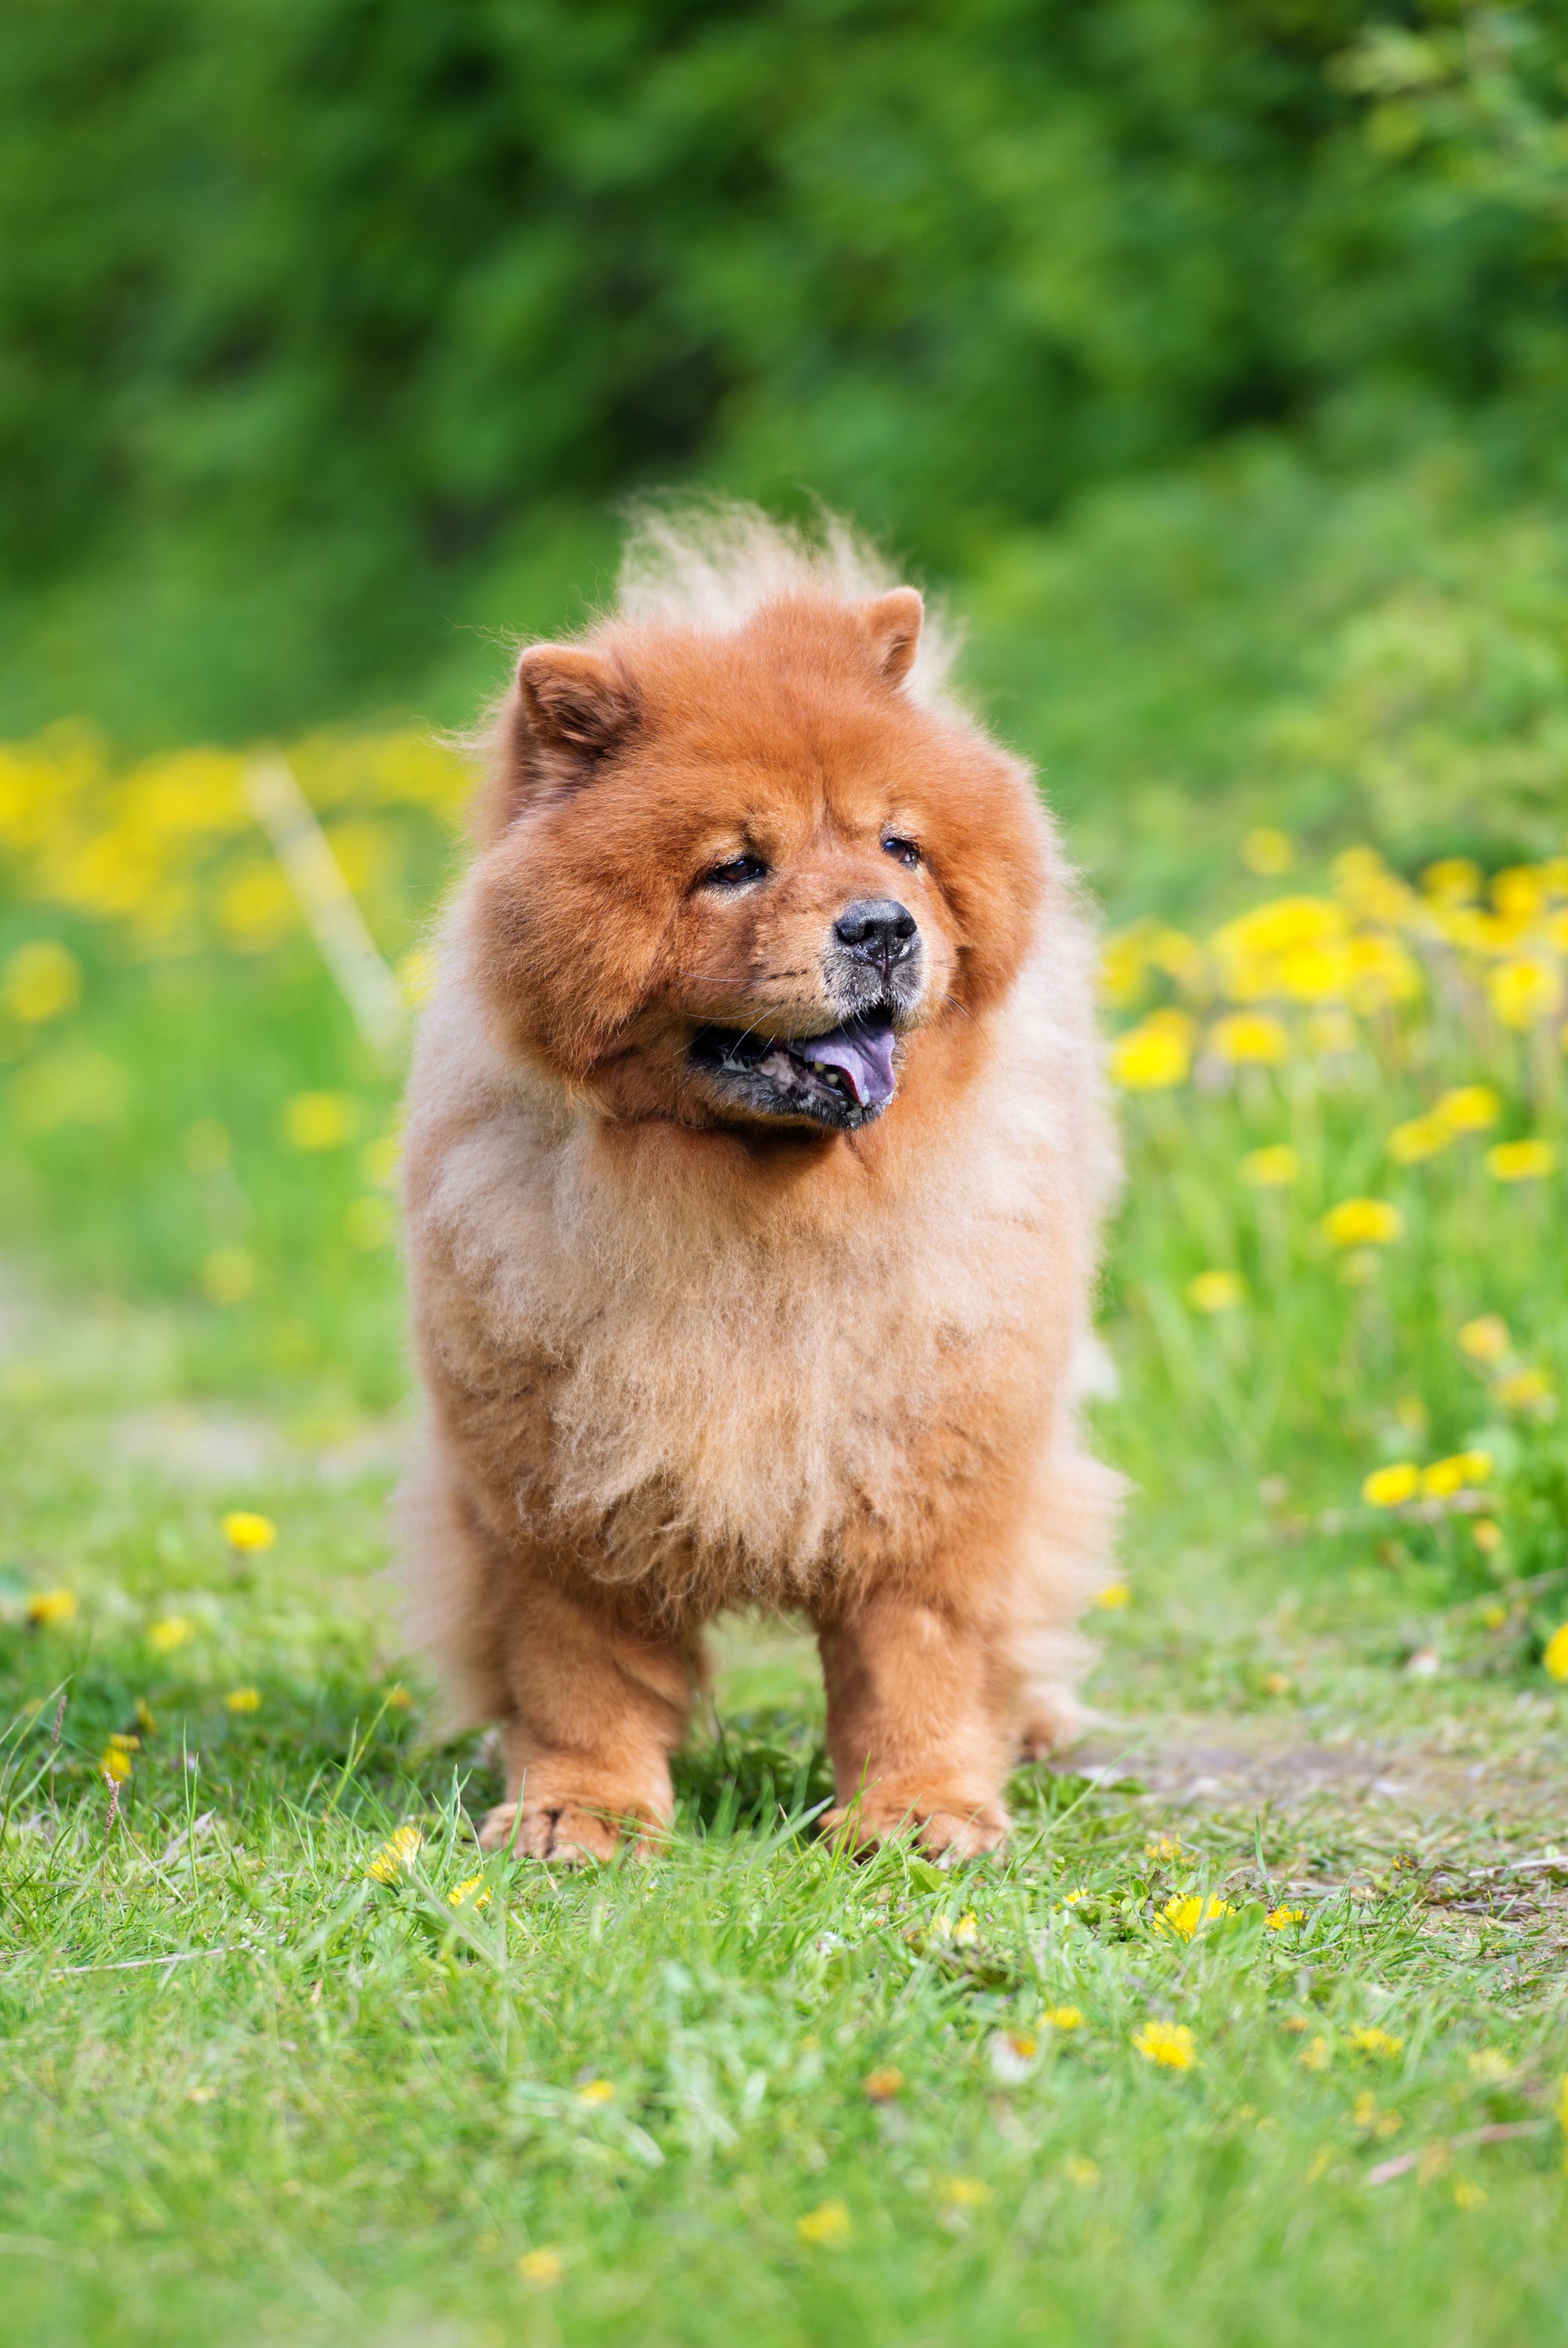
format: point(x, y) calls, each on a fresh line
point(1114, 1596)
point(1418, 1137)
point(48, 1610)
point(825, 2227)
point(881, 2087)
point(1215, 1291)
point(1279, 1919)
point(1250, 1038)
point(1456, 1473)
point(247, 1532)
point(1486, 1338)
point(1520, 1161)
point(1168, 2043)
point(41, 982)
point(542, 2267)
point(229, 1275)
point(319, 1120)
point(1554, 1655)
point(1079, 2171)
point(395, 1856)
point(1453, 881)
point(243, 1700)
point(1382, 972)
point(1490, 2065)
point(1063, 2017)
point(1524, 991)
point(595, 2092)
point(1075, 1899)
point(172, 1630)
point(1370, 2040)
point(1276, 1684)
point(1314, 973)
point(1467, 1108)
point(1316, 2055)
point(967, 1932)
point(1386, 1487)
point(1486, 1535)
point(1362, 1222)
point(471, 1893)
point(1272, 1168)
point(1150, 1060)
point(966, 2192)
point(1525, 1390)
point(1267, 851)
point(115, 1762)
point(1185, 1917)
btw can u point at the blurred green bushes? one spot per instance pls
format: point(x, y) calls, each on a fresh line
point(330, 330)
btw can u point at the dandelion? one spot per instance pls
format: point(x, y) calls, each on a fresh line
point(1554, 1654)
point(596, 2092)
point(1077, 1899)
point(881, 2087)
point(1486, 1535)
point(243, 1700)
point(1467, 1108)
point(1267, 851)
point(1524, 991)
point(967, 1932)
point(1276, 1684)
point(1453, 881)
point(1275, 1168)
point(966, 2192)
point(1445, 1477)
point(49, 1610)
point(1215, 1291)
point(825, 2227)
point(1250, 1038)
point(1370, 2040)
point(1418, 1137)
point(1520, 1161)
point(1165, 1846)
point(41, 982)
point(1526, 1390)
point(172, 1630)
point(472, 1892)
point(396, 1856)
point(247, 1532)
point(1362, 1222)
point(1063, 2017)
point(1486, 1338)
point(1114, 1596)
point(115, 1761)
point(1316, 2055)
point(1150, 1060)
point(314, 1121)
point(1079, 2171)
point(542, 2267)
point(228, 1275)
point(1489, 2065)
point(1279, 1919)
point(1167, 2044)
point(1386, 1487)
point(1184, 1916)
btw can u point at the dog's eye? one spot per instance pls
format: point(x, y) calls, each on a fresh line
point(736, 873)
point(904, 849)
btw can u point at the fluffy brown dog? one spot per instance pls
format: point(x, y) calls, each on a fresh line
point(755, 1158)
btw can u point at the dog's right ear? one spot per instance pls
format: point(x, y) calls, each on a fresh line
point(569, 710)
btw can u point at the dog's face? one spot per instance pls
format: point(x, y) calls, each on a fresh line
point(731, 880)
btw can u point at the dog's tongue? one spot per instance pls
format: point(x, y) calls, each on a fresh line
point(861, 1050)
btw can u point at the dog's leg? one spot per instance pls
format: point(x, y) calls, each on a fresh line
point(916, 1725)
point(597, 1710)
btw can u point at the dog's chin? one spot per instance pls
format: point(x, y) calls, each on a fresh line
point(842, 1078)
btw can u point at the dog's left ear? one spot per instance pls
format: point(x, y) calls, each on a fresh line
point(892, 623)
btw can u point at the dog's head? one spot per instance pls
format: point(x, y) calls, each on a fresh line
point(731, 879)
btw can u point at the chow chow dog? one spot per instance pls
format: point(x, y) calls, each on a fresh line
point(755, 1159)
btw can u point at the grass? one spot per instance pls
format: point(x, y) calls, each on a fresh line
point(251, 2090)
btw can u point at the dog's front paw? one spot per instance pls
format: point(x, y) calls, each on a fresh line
point(563, 1815)
point(946, 1828)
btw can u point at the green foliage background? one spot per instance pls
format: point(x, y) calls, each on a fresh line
point(332, 331)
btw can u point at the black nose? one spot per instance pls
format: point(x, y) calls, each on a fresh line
point(877, 929)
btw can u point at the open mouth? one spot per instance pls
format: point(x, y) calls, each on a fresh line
point(844, 1078)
